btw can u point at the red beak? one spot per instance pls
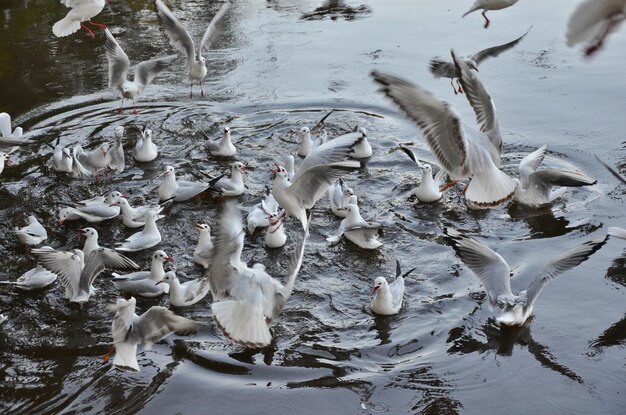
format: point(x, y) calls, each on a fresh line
point(124, 197)
point(374, 289)
point(277, 169)
point(61, 222)
point(169, 259)
point(7, 162)
point(160, 282)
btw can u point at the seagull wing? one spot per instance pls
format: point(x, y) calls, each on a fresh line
point(103, 259)
point(496, 50)
point(159, 322)
point(147, 70)
point(119, 64)
point(311, 185)
point(179, 37)
point(66, 265)
point(209, 34)
point(5, 125)
point(530, 164)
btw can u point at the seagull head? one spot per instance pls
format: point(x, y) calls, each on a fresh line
point(280, 171)
point(379, 282)
point(89, 232)
point(105, 148)
point(304, 131)
point(203, 227)
point(239, 166)
point(162, 256)
point(169, 277)
point(66, 153)
point(426, 169)
point(169, 171)
point(472, 64)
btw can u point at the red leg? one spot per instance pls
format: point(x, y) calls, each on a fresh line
point(459, 85)
point(120, 109)
point(108, 355)
point(191, 90)
point(486, 20)
point(97, 178)
point(201, 88)
point(101, 26)
point(89, 32)
point(106, 171)
point(453, 87)
point(135, 112)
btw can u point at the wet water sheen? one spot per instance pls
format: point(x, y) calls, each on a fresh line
point(280, 65)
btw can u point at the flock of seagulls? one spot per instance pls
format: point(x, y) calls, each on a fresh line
point(246, 300)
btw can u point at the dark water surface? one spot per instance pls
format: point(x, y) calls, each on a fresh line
point(280, 65)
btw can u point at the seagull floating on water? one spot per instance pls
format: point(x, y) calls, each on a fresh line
point(247, 301)
point(494, 274)
point(129, 330)
point(145, 150)
point(8, 138)
point(135, 217)
point(144, 283)
point(223, 147)
point(258, 216)
point(96, 209)
point(593, 21)
point(33, 234)
point(388, 297)
point(204, 248)
point(486, 5)
point(357, 230)
point(430, 188)
point(446, 69)
point(306, 142)
point(233, 185)
point(187, 293)
point(66, 161)
point(96, 159)
point(81, 11)
point(339, 194)
point(535, 187)
point(317, 172)
point(78, 275)
point(459, 149)
point(181, 190)
point(180, 39)
point(119, 65)
point(33, 279)
point(275, 236)
point(147, 238)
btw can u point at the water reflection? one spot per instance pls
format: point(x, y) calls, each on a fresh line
point(337, 9)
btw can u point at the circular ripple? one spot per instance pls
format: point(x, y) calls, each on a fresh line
point(564, 329)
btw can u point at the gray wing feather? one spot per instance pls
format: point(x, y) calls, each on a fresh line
point(530, 164)
point(549, 178)
point(159, 322)
point(179, 37)
point(228, 240)
point(313, 183)
point(147, 70)
point(564, 262)
point(209, 33)
point(103, 259)
point(66, 265)
point(497, 50)
point(119, 64)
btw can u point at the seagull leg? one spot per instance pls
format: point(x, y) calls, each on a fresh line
point(108, 355)
point(95, 170)
point(191, 90)
point(120, 109)
point(101, 26)
point(608, 27)
point(453, 87)
point(459, 85)
point(201, 88)
point(135, 112)
point(486, 19)
point(448, 186)
point(89, 32)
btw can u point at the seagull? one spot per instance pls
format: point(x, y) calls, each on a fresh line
point(459, 149)
point(275, 236)
point(258, 216)
point(33, 279)
point(486, 5)
point(233, 185)
point(147, 238)
point(290, 166)
point(33, 234)
point(145, 150)
point(223, 147)
point(144, 283)
point(180, 39)
point(81, 11)
point(204, 249)
point(8, 138)
point(181, 190)
point(129, 330)
point(247, 301)
point(363, 149)
point(357, 230)
point(614, 230)
point(119, 65)
point(535, 187)
point(78, 275)
point(317, 172)
point(443, 68)
point(4, 160)
point(339, 194)
point(91, 240)
point(306, 142)
point(96, 209)
point(70, 213)
point(135, 217)
point(96, 159)
point(430, 189)
point(66, 161)
point(387, 299)
point(3, 318)
point(617, 232)
point(118, 161)
point(593, 21)
point(494, 274)
point(187, 293)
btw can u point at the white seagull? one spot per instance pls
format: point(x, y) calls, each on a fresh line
point(339, 194)
point(96, 209)
point(258, 216)
point(363, 149)
point(187, 293)
point(317, 172)
point(118, 160)
point(144, 283)
point(248, 301)
point(91, 240)
point(445, 68)
point(180, 39)
point(135, 217)
point(119, 65)
point(81, 11)
point(33, 279)
point(181, 190)
point(4, 160)
point(486, 5)
point(275, 236)
point(96, 159)
point(462, 151)
point(233, 185)
point(129, 330)
point(78, 275)
point(430, 188)
point(593, 21)
point(223, 147)
point(147, 238)
point(387, 299)
point(306, 142)
point(66, 161)
point(535, 187)
point(8, 138)
point(204, 248)
point(357, 230)
point(145, 150)
point(494, 274)
point(33, 234)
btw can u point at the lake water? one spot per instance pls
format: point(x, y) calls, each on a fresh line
point(280, 65)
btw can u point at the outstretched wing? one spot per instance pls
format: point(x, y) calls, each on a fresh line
point(147, 70)
point(159, 322)
point(209, 34)
point(119, 64)
point(530, 164)
point(103, 259)
point(496, 50)
point(179, 37)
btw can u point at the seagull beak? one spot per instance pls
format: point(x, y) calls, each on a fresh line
point(61, 222)
point(198, 226)
point(162, 281)
point(124, 197)
point(375, 288)
point(82, 231)
point(7, 162)
point(169, 259)
point(277, 169)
